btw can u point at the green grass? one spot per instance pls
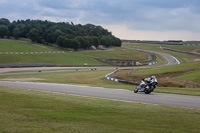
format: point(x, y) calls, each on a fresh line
point(116, 53)
point(182, 57)
point(96, 78)
point(67, 58)
point(191, 42)
point(89, 78)
point(170, 69)
point(194, 76)
point(182, 47)
point(23, 46)
point(182, 91)
point(31, 111)
point(178, 76)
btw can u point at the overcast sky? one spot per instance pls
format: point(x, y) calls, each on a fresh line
point(126, 19)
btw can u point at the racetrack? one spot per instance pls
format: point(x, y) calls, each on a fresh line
point(106, 93)
point(171, 59)
point(185, 101)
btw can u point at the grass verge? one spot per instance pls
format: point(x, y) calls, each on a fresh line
point(182, 91)
point(87, 78)
point(116, 53)
point(182, 57)
point(96, 78)
point(182, 47)
point(59, 59)
point(32, 111)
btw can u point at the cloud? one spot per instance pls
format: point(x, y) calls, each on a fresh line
point(124, 32)
point(137, 15)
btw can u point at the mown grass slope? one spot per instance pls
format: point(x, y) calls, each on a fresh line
point(96, 78)
point(86, 78)
point(191, 42)
point(24, 55)
point(67, 58)
point(182, 57)
point(31, 111)
point(178, 77)
point(7, 45)
point(182, 47)
point(117, 53)
point(171, 79)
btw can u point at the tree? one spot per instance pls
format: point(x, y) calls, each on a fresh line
point(60, 40)
point(3, 31)
point(75, 44)
point(57, 33)
point(16, 33)
point(67, 43)
point(4, 21)
point(23, 30)
point(95, 41)
point(34, 35)
point(80, 39)
point(106, 41)
point(118, 42)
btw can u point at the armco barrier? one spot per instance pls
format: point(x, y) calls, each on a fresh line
point(152, 63)
point(118, 80)
point(113, 79)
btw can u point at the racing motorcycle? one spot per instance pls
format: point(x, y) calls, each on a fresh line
point(145, 86)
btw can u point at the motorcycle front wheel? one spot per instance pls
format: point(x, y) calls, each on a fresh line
point(136, 90)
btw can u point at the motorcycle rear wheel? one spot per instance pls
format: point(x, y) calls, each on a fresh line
point(149, 90)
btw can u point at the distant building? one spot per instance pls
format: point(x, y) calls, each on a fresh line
point(93, 47)
point(101, 47)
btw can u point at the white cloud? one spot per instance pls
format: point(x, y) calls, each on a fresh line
point(131, 19)
point(123, 32)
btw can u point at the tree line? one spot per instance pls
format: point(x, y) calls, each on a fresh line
point(64, 34)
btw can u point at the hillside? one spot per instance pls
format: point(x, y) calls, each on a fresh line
point(19, 52)
point(184, 75)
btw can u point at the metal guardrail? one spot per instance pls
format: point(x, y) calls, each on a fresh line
point(119, 80)
point(176, 50)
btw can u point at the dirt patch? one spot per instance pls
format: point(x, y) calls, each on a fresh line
point(164, 80)
point(196, 59)
point(114, 75)
point(4, 70)
point(166, 85)
point(23, 79)
point(195, 51)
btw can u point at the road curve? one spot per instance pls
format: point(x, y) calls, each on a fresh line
point(113, 94)
point(171, 59)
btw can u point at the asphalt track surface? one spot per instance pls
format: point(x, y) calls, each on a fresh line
point(171, 59)
point(57, 71)
point(113, 94)
point(185, 101)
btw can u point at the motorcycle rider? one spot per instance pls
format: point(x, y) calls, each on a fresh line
point(147, 85)
point(152, 81)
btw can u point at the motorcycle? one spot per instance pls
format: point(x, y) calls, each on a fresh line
point(145, 86)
